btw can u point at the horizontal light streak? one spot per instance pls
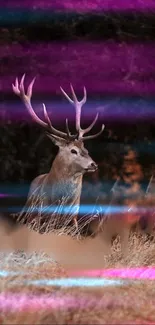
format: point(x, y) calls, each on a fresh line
point(84, 209)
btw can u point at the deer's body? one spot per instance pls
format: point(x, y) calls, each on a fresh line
point(56, 186)
point(55, 189)
point(63, 182)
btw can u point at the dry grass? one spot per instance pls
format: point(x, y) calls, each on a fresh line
point(129, 304)
point(37, 216)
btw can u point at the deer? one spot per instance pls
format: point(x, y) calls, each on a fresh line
point(65, 180)
point(72, 161)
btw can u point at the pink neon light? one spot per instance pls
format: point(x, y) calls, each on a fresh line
point(21, 302)
point(145, 273)
point(18, 302)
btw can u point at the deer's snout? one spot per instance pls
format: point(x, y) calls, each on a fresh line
point(92, 167)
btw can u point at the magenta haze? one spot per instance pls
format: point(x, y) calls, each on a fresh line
point(81, 5)
point(105, 68)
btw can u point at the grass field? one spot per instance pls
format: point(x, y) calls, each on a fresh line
point(24, 302)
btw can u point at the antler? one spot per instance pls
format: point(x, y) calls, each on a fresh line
point(78, 106)
point(18, 89)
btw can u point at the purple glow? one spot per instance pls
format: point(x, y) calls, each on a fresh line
point(145, 273)
point(81, 5)
point(103, 67)
point(3, 195)
point(110, 109)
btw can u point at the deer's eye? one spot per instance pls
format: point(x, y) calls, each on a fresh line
point(74, 152)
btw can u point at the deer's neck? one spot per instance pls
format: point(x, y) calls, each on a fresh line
point(63, 183)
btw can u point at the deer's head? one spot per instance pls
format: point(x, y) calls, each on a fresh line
point(71, 147)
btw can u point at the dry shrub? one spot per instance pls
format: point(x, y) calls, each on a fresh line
point(141, 253)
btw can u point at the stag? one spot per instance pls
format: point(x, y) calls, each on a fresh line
point(72, 161)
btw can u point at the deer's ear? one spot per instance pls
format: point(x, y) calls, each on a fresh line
point(60, 142)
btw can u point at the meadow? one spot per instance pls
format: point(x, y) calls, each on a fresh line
point(28, 294)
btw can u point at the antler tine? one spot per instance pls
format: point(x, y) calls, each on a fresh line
point(22, 84)
point(19, 90)
point(55, 131)
point(78, 105)
point(93, 136)
point(91, 125)
point(30, 87)
point(83, 101)
point(75, 100)
point(67, 128)
point(65, 94)
point(46, 116)
point(68, 131)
